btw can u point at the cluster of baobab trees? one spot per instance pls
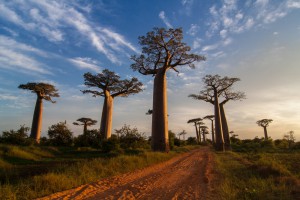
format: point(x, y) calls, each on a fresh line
point(218, 91)
point(162, 50)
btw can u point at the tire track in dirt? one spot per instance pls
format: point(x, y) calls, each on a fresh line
point(188, 176)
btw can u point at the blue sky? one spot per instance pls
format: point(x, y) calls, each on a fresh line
point(58, 41)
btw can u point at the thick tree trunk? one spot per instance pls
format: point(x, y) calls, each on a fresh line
point(212, 132)
point(84, 128)
point(160, 138)
point(266, 133)
point(204, 138)
point(218, 125)
point(197, 135)
point(225, 128)
point(36, 126)
point(106, 119)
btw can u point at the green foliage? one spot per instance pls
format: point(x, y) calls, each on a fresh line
point(171, 139)
point(19, 137)
point(110, 145)
point(191, 141)
point(91, 138)
point(67, 175)
point(257, 176)
point(131, 138)
point(60, 135)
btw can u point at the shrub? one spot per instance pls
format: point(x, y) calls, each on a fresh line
point(110, 145)
point(60, 135)
point(131, 138)
point(91, 138)
point(19, 137)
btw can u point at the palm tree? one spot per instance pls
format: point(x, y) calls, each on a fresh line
point(43, 91)
point(110, 87)
point(264, 123)
point(85, 122)
point(162, 50)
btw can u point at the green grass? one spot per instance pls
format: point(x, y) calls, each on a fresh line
point(68, 168)
point(258, 176)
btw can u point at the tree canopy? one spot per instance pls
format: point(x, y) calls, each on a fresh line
point(111, 82)
point(264, 122)
point(163, 49)
point(43, 90)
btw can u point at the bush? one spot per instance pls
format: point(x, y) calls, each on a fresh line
point(19, 137)
point(191, 141)
point(131, 138)
point(110, 145)
point(60, 135)
point(91, 138)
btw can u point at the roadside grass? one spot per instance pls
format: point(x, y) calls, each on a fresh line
point(258, 176)
point(69, 168)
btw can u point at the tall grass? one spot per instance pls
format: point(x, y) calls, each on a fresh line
point(72, 175)
point(254, 177)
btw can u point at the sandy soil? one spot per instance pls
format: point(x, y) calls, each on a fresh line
point(188, 176)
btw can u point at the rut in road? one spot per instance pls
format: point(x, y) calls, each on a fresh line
point(188, 176)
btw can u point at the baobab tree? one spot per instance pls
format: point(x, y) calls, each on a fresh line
point(211, 118)
point(199, 124)
point(228, 95)
point(85, 122)
point(264, 123)
point(195, 121)
point(162, 50)
point(203, 131)
point(43, 91)
point(110, 86)
point(214, 87)
point(183, 133)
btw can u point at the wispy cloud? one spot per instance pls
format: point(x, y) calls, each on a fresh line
point(85, 63)
point(49, 19)
point(163, 17)
point(193, 29)
point(17, 56)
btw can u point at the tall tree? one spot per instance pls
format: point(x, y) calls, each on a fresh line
point(199, 124)
point(228, 95)
point(43, 91)
point(110, 86)
point(214, 87)
point(183, 133)
point(85, 122)
point(211, 118)
point(162, 50)
point(264, 123)
point(195, 121)
point(203, 131)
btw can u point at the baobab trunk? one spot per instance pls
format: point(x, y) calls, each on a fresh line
point(212, 132)
point(218, 125)
point(160, 138)
point(84, 128)
point(225, 128)
point(197, 135)
point(106, 119)
point(36, 126)
point(266, 133)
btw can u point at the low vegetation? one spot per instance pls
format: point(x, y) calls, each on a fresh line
point(259, 169)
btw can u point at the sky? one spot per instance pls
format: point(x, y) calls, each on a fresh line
point(58, 41)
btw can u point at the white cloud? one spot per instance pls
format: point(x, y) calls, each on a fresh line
point(293, 4)
point(261, 3)
point(193, 29)
point(86, 63)
point(223, 33)
point(227, 41)
point(49, 19)
point(197, 43)
point(17, 56)
point(163, 17)
point(210, 47)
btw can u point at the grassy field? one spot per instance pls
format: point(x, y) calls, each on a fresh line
point(31, 172)
point(258, 175)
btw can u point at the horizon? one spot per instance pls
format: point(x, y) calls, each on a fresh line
point(58, 41)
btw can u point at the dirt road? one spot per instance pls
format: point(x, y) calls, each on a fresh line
point(188, 176)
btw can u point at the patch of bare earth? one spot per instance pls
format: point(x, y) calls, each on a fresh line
point(188, 176)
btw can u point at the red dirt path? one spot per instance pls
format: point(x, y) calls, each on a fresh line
point(188, 176)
